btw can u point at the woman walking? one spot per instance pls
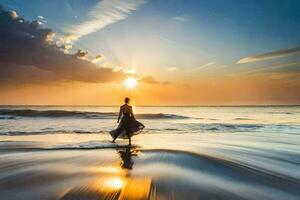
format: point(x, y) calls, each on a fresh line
point(128, 126)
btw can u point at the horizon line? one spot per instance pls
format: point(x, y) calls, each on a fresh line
point(149, 105)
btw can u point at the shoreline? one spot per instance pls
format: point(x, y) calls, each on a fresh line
point(157, 166)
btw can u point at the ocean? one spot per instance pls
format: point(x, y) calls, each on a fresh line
point(184, 152)
point(181, 119)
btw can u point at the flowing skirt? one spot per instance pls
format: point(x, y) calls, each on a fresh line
point(135, 127)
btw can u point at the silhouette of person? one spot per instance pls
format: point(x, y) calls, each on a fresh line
point(126, 121)
point(128, 125)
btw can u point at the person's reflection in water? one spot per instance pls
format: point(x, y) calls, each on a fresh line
point(126, 156)
point(117, 185)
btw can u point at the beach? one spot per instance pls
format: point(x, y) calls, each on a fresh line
point(183, 153)
point(149, 100)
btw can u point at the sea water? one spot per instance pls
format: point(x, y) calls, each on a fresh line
point(187, 152)
point(16, 120)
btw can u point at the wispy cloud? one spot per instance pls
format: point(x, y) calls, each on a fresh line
point(164, 39)
point(180, 19)
point(106, 12)
point(172, 68)
point(152, 80)
point(194, 69)
point(129, 71)
point(277, 68)
point(206, 65)
point(202, 66)
point(270, 55)
point(208, 69)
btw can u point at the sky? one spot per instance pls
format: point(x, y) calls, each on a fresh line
point(192, 52)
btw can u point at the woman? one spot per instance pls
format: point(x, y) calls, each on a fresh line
point(128, 126)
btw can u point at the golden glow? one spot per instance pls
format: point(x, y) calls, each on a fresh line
point(130, 71)
point(115, 183)
point(107, 169)
point(110, 183)
point(252, 89)
point(129, 188)
point(130, 83)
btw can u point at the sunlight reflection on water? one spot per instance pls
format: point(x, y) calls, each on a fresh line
point(114, 182)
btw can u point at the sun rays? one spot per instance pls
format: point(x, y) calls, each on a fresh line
point(130, 83)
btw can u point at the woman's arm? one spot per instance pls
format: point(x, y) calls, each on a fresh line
point(120, 113)
point(131, 113)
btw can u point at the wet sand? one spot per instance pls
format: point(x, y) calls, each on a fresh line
point(170, 166)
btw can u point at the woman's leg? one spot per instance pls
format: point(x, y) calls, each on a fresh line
point(128, 130)
point(128, 133)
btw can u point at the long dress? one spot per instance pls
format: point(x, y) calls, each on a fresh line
point(127, 127)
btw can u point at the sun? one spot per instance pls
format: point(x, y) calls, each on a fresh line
point(130, 82)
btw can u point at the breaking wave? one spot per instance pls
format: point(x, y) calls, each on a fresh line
point(231, 128)
point(174, 128)
point(11, 114)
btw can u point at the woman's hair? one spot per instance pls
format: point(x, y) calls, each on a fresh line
point(127, 100)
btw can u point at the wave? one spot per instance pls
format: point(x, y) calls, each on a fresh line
point(284, 112)
point(45, 132)
point(12, 113)
point(241, 118)
point(7, 117)
point(94, 144)
point(231, 128)
point(173, 128)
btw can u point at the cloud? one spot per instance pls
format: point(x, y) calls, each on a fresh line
point(81, 54)
point(280, 68)
point(13, 14)
point(106, 12)
point(151, 80)
point(67, 38)
point(180, 19)
point(129, 71)
point(96, 59)
point(270, 55)
point(172, 68)
point(210, 64)
point(66, 47)
point(40, 19)
point(206, 65)
point(27, 55)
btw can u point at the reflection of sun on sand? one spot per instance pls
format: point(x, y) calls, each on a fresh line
point(126, 188)
point(114, 181)
point(113, 187)
point(138, 188)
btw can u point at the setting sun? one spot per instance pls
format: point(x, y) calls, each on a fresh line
point(130, 83)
